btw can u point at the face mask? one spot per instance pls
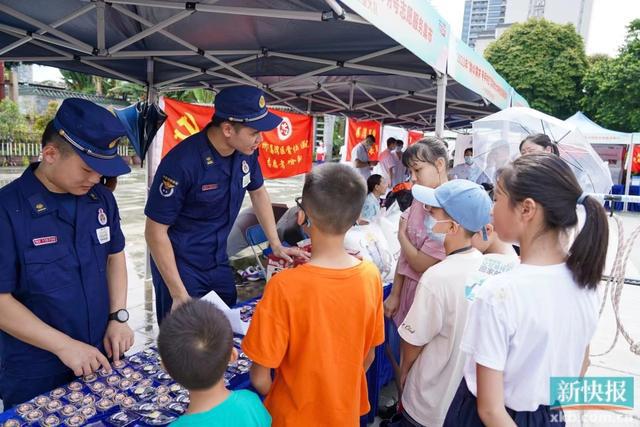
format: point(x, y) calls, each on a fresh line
point(429, 223)
point(468, 160)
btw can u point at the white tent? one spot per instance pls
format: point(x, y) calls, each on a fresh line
point(597, 135)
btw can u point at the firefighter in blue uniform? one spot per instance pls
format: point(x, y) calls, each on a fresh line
point(196, 196)
point(63, 286)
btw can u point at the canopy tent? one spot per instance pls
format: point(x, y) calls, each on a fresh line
point(597, 135)
point(312, 56)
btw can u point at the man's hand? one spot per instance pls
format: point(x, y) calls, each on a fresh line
point(178, 300)
point(288, 253)
point(117, 339)
point(82, 358)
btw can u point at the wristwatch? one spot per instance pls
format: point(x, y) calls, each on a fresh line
point(121, 316)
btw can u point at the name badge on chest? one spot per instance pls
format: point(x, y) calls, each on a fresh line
point(246, 179)
point(103, 234)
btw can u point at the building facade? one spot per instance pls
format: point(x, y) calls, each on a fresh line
point(481, 16)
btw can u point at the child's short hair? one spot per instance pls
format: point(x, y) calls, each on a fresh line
point(334, 194)
point(195, 344)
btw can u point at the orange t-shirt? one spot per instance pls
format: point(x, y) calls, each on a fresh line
point(315, 326)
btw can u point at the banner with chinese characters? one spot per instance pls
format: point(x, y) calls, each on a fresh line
point(357, 131)
point(474, 72)
point(288, 149)
point(415, 24)
point(285, 151)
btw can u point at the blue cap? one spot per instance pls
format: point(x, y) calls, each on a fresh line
point(245, 105)
point(466, 202)
point(94, 133)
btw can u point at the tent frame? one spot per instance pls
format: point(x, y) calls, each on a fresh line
point(49, 37)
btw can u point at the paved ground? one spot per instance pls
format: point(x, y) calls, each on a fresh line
point(618, 362)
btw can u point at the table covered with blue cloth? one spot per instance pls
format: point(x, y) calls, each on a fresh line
point(139, 392)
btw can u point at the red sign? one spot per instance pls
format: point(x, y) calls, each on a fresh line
point(285, 151)
point(288, 149)
point(415, 136)
point(183, 120)
point(635, 161)
point(358, 131)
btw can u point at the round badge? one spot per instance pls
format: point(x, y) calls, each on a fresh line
point(245, 167)
point(102, 217)
point(285, 129)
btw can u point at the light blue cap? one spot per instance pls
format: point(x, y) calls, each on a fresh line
point(466, 202)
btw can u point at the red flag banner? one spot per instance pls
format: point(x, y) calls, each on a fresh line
point(415, 136)
point(285, 151)
point(635, 161)
point(288, 149)
point(183, 120)
point(358, 130)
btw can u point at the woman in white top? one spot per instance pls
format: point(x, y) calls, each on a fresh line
point(534, 322)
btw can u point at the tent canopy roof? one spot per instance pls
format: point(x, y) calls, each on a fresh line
point(299, 52)
point(595, 133)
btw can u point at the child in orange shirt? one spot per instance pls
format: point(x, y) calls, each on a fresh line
point(318, 324)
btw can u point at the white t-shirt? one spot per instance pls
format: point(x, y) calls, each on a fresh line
point(532, 323)
point(360, 152)
point(388, 160)
point(492, 264)
point(436, 320)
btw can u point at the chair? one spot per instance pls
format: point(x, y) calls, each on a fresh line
point(255, 237)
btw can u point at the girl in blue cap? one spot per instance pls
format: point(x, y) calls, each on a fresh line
point(534, 322)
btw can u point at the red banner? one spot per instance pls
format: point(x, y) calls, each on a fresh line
point(358, 131)
point(285, 151)
point(415, 136)
point(183, 120)
point(635, 161)
point(288, 149)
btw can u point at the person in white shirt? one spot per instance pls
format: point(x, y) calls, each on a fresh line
point(534, 322)
point(432, 363)
point(360, 156)
point(376, 188)
point(400, 172)
point(469, 170)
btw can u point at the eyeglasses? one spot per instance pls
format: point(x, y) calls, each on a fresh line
point(306, 217)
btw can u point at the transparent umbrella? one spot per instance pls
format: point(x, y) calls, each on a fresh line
point(496, 142)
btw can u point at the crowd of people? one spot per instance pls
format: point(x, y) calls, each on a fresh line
point(478, 323)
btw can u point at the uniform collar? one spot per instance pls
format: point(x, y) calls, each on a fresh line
point(39, 197)
point(209, 154)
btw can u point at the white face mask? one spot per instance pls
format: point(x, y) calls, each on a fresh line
point(429, 223)
point(468, 160)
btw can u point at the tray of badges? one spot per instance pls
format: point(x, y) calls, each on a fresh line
point(138, 392)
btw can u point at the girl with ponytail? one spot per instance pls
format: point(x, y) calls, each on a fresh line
point(535, 321)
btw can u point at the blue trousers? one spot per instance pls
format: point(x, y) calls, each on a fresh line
point(198, 284)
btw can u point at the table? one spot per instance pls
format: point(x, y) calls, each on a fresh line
point(140, 393)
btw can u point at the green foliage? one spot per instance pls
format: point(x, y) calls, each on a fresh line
point(612, 86)
point(194, 96)
point(41, 122)
point(132, 92)
point(12, 122)
point(545, 62)
point(338, 136)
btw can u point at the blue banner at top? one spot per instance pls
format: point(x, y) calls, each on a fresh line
point(518, 100)
point(474, 72)
point(415, 24)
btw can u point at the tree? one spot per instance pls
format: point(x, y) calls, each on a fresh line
point(612, 86)
point(86, 83)
point(41, 122)
point(12, 123)
point(545, 62)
